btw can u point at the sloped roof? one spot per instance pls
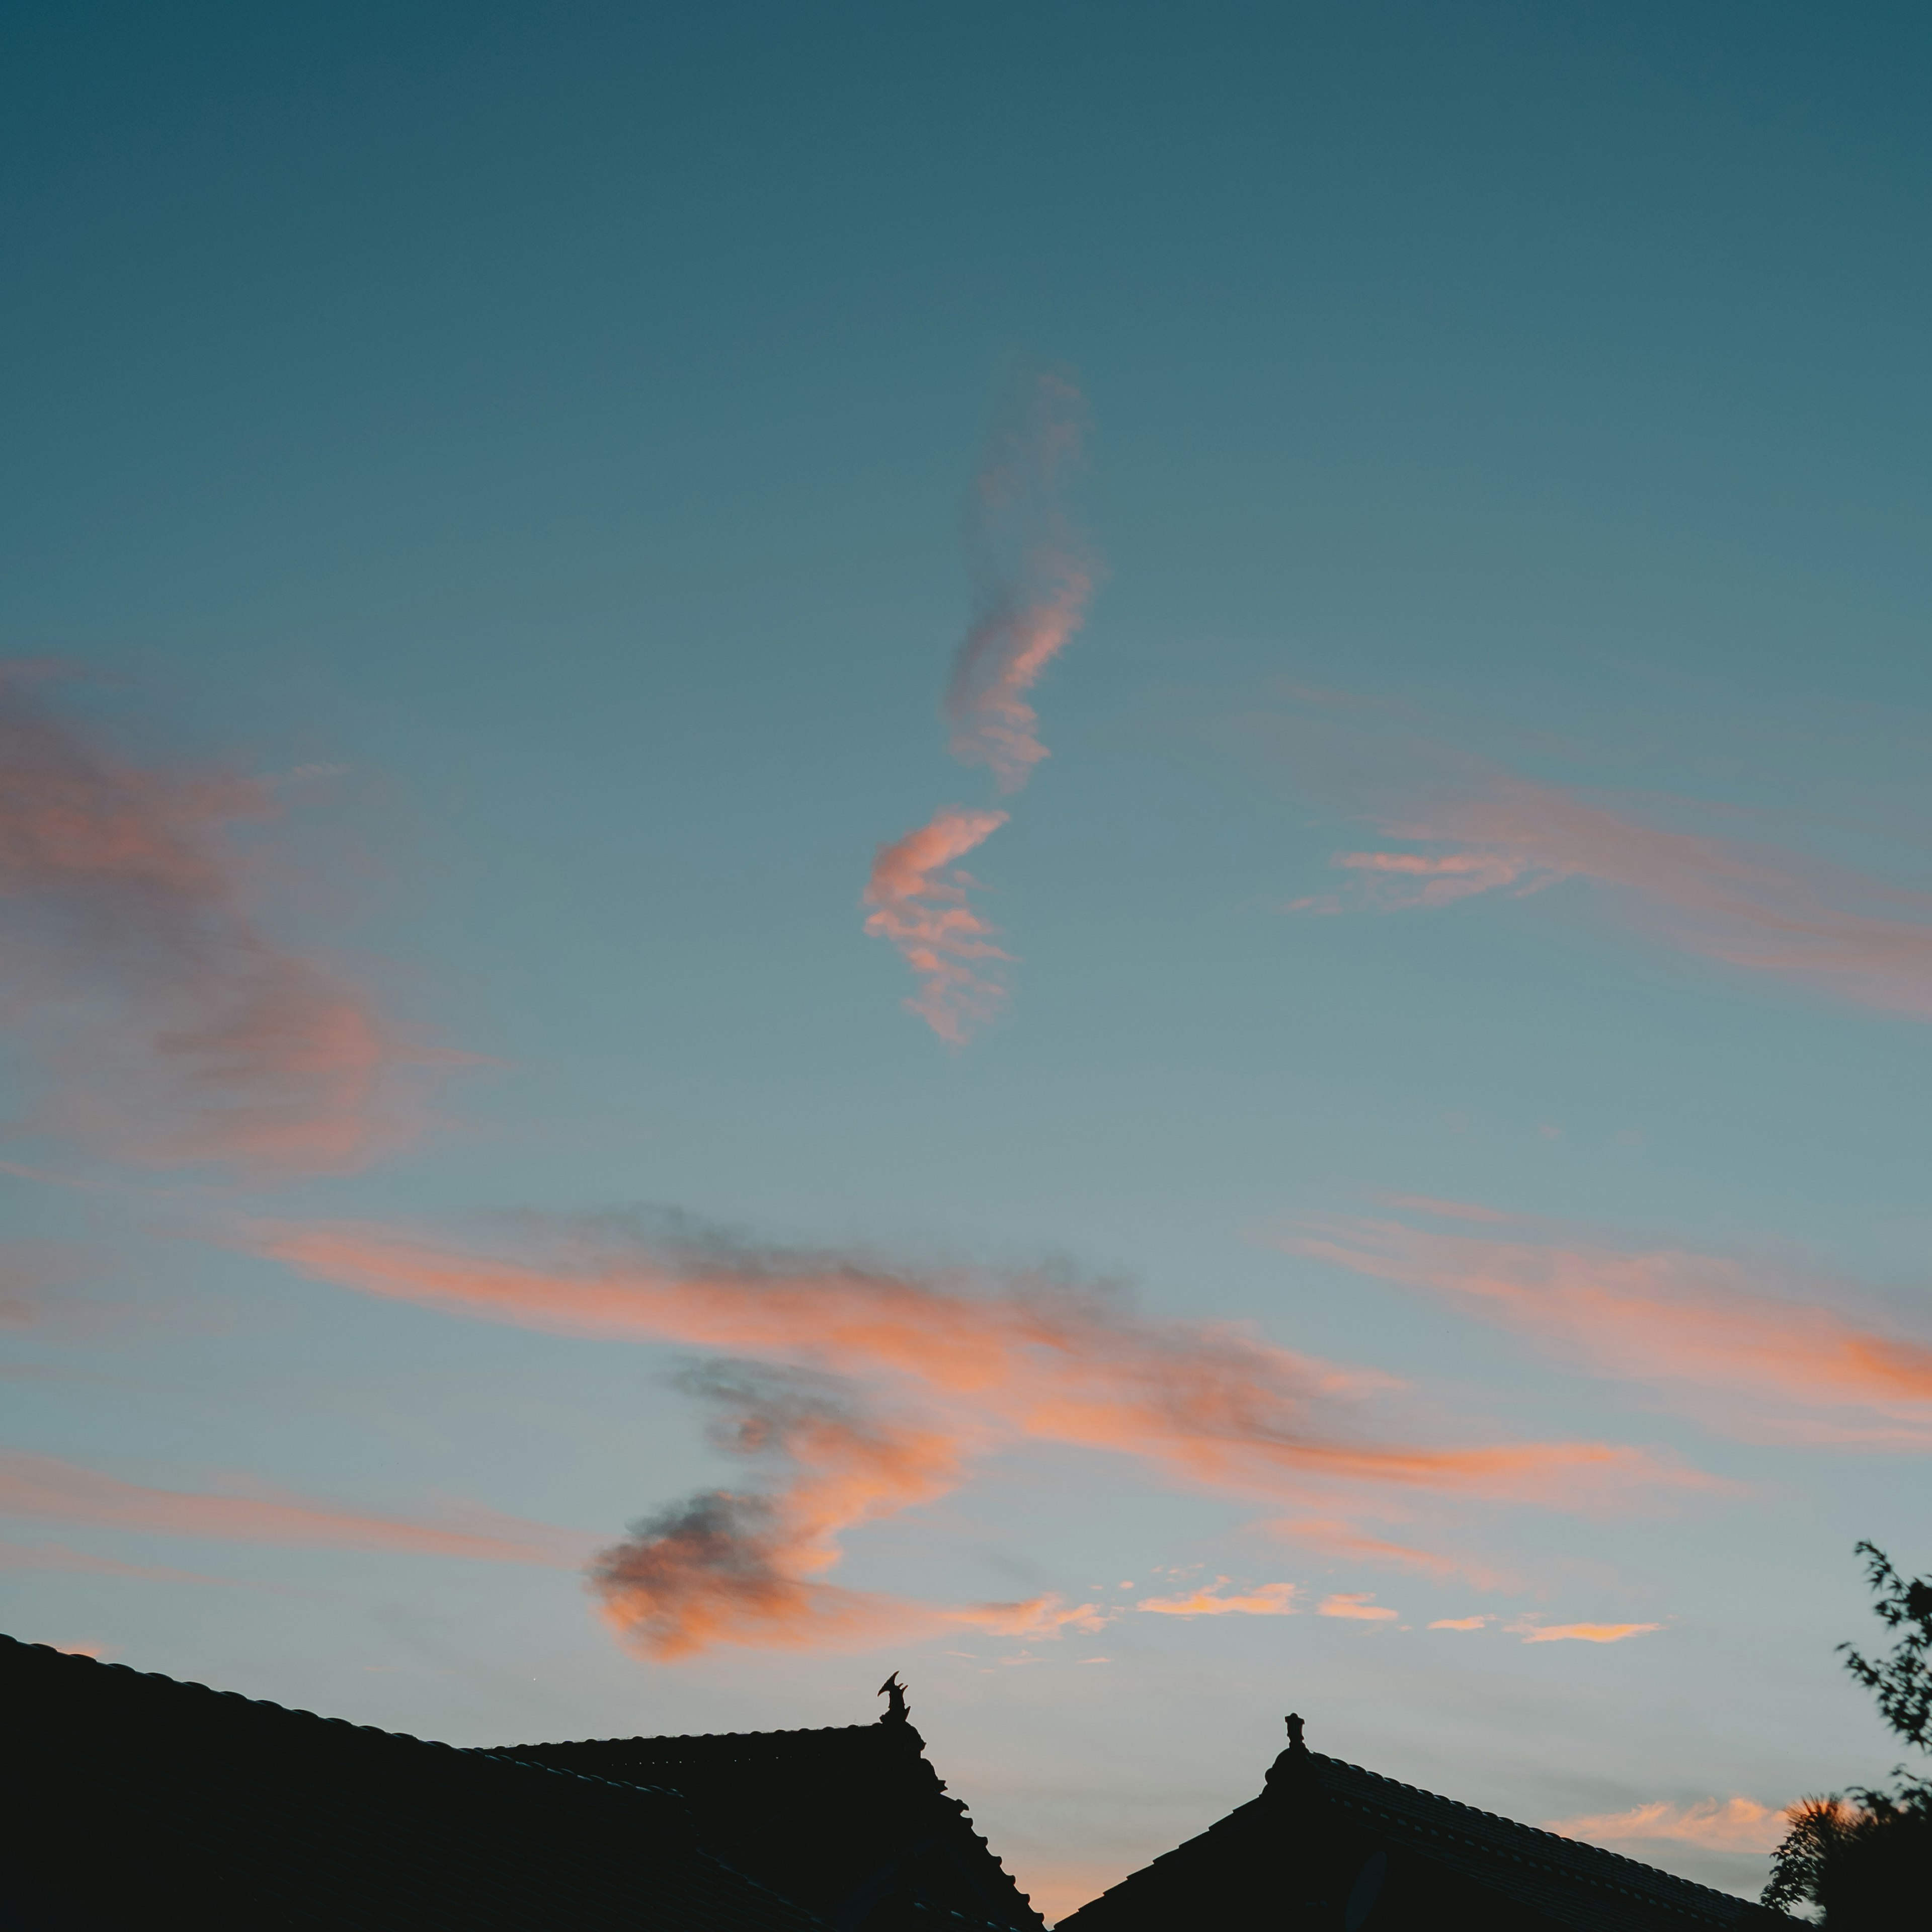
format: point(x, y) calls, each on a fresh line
point(1576, 1884)
point(851, 1820)
point(1321, 1813)
point(136, 1801)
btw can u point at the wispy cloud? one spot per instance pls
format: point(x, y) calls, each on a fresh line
point(171, 1030)
point(44, 1489)
point(1032, 577)
point(1265, 1599)
point(1461, 1623)
point(1360, 1546)
point(1760, 1360)
point(1533, 1632)
point(1358, 1604)
point(1752, 906)
point(954, 1368)
point(82, 1562)
point(919, 898)
point(1038, 1618)
point(747, 1567)
point(1712, 1824)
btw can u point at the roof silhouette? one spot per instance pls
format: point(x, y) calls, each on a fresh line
point(1329, 1845)
point(135, 1801)
point(851, 1820)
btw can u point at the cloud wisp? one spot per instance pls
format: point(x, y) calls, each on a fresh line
point(171, 1030)
point(1736, 1342)
point(1711, 1824)
point(1359, 1605)
point(45, 1489)
point(1532, 1632)
point(1032, 579)
point(1217, 1600)
point(918, 897)
point(1753, 907)
point(934, 1372)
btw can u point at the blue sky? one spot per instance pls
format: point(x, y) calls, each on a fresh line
point(532, 450)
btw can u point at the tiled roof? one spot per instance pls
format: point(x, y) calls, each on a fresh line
point(135, 1801)
point(852, 1820)
point(1284, 1846)
point(1577, 1884)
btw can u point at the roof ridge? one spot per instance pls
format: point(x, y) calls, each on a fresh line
point(877, 1727)
point(1537, 1831)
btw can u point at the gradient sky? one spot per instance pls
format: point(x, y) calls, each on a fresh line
point(529, 527)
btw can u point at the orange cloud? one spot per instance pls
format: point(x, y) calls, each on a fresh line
point(1359, 1604)
point(1032, 579)
point(1713, 1824)
point(1663, 1315)
point(726, 1566)
point(1461, 1623)
point(1267, 1600)
point(954, 1367)
point(1038, 1617)
point(1341, 1539)
point(923, 909)
point(1535, 1632)
point(173, 1031)
point(44, 1489)
point(1753, 907)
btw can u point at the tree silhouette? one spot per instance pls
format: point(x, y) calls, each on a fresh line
point(1866, 1861)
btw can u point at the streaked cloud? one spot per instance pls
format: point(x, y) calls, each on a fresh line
point(1752, 906)
point(85, 1563)
point(1038, 1617)
point(1760, 1360)
point(170, 1029)
point(1711, 1824)
point(1032, 579)
point(45, 1489)
point(1217, 1600)
point(1461, 1623)
point(918, 898)
point(929, 1374)
point(1358, 1545)
point(1531, 1632)
point(1359, 1605)
point(747, 1567)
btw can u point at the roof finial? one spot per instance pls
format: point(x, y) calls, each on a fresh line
point(1293, 1722)
point(896, 1711)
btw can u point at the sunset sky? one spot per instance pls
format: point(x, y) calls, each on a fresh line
point(1084, 847)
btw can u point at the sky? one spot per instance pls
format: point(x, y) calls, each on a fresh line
point(1081, 847)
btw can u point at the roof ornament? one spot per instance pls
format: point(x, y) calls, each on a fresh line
point(1293, 1721)
point(896, 1711)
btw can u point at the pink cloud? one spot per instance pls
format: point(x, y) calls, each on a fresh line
point(1038, 1618)
point(1032, 580)
point(45, 1489)
point(171, 1030)
point(1779, 1367)
point(1538, 1633)
point(1461, 1623)
point(1346, 1539)
point(1753, 907)
point(1712, 1824)
point(1360, 1605)
point(1266, 1599)
point(922, 908)
point(928, 1375)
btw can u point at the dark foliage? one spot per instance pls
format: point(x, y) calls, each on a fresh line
point(1866, 1861)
